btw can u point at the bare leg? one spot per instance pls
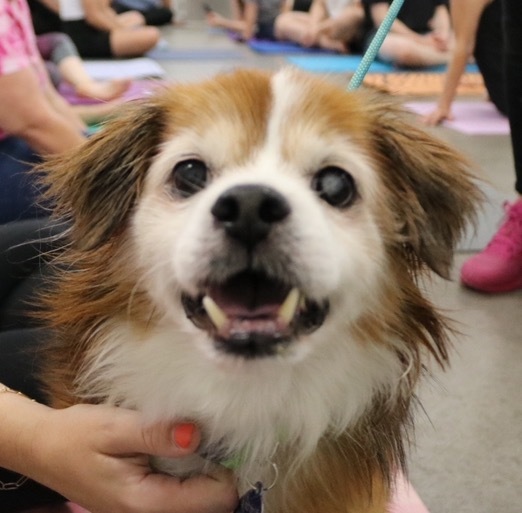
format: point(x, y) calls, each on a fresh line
point(73, 71)
point(329, 43)
point(348, 24)
point(293, 26)
point(133, 42)
point(403, 51)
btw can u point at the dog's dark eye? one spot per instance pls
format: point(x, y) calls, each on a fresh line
point(335, 186)
point(189, 177)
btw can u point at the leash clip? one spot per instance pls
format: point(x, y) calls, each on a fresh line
point(252, 501)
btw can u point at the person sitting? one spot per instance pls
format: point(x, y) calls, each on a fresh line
point(330, 24)
point(155, 12)
point(98, 31)
point(419, 37)
point(34, 119)
point(65, 64)
point(250, 18)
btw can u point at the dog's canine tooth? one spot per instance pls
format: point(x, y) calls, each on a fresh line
point(287, 311)
point(217, 316)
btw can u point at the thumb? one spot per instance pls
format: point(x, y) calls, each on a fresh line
point(128, 434)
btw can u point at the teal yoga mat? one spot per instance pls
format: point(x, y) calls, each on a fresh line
point(335, 64)
point(349, 63)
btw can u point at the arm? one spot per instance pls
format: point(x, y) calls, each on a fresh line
point(287, 6)
point(440, 22)
point(317, 16)
point(441, 27)
point(97, 456)
point(61, 106)
point(378, 12)
point(318, 11)
point(250, 13)
point(465, 17)
point(26, 112)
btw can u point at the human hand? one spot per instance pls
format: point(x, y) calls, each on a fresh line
point(97, 456)
point(437, 116)
point(310, 37)
point(441, 40)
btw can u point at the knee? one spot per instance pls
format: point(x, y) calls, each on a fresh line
point(405, 55)
point(153, 35)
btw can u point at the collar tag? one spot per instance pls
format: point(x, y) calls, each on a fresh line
point(252, 501)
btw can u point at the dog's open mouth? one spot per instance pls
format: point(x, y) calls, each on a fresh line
point(253, 315)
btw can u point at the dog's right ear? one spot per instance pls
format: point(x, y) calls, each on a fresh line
point(95, 186)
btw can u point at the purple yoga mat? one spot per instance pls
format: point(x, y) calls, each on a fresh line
point(471, 117)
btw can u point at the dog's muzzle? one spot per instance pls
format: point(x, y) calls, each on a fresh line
point(252, 314)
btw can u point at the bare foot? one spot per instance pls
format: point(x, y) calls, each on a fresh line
point(329, 43)
point(104, 91)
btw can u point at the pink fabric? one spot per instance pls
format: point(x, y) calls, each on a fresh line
point(406, 500)
point(18, 48)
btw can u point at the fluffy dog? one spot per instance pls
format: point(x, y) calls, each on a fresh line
point(247, 253)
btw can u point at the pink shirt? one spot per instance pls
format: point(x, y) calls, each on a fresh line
point(18, 48)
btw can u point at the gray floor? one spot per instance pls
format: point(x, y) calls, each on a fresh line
point(468, 454)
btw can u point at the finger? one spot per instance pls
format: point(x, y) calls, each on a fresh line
point(127, 434)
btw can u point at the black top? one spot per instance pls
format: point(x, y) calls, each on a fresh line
point(415, 14)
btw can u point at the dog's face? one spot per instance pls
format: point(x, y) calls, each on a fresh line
point(261, 215)
point(268, 222)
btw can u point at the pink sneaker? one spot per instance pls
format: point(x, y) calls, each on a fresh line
point(498, 268)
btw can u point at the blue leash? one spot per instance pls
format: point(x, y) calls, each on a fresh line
point(372, 51)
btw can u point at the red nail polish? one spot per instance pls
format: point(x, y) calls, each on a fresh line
point(183, 434)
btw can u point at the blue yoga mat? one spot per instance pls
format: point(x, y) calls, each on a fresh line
point(283, 47)
point(194, 54)
point(335, 64)
point(349, 63)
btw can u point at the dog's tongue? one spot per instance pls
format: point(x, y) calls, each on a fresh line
point(249, 295)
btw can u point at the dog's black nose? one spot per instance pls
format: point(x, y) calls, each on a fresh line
point(248, 212)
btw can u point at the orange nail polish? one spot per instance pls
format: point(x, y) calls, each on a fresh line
point(183, 434)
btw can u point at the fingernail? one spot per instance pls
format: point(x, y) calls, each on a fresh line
point(183, 435)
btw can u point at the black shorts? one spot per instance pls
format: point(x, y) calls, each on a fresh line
point(91, 42)
point(155, 16)
point(265, 30)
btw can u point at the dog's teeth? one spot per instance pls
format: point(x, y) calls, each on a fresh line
point(287, 311)
point(217, 316)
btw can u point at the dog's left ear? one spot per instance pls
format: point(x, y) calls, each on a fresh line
point(95, 186)
point(428, 184)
